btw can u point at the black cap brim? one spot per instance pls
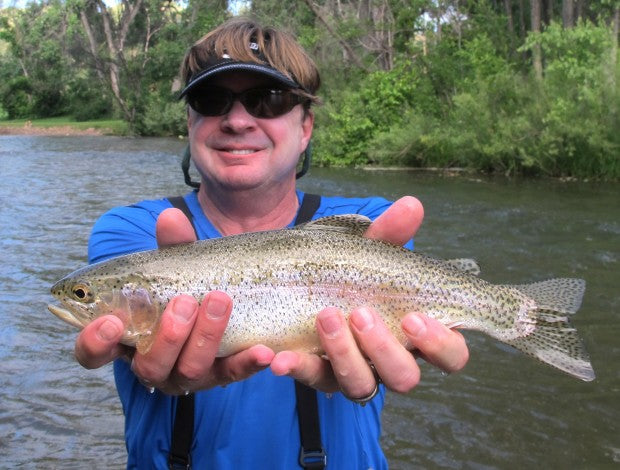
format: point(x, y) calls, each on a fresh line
point(234, 66)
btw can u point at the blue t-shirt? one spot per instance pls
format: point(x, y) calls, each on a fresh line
point(247, 424)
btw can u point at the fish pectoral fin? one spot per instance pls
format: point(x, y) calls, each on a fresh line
point(354, 224)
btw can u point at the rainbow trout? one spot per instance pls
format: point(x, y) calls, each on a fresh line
point(279, 280)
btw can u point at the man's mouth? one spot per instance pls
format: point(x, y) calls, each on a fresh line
point(239, 151)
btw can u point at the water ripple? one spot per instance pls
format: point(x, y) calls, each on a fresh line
point(503, 411)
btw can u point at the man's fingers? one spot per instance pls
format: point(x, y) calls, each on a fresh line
point(395, 365)
point(201, 348)
point(399, 223)
point(176, 324)
point(98, 343)
point(172, 228)
point(242, 365)
point(438, 344)
point(309, 369)
point(350, 367)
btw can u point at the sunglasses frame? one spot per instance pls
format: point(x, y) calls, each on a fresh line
point(263, 108)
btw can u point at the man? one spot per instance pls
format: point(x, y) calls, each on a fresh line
point(249, 92)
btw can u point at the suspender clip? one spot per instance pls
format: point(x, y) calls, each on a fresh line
point(313, 459)
point(179, 462)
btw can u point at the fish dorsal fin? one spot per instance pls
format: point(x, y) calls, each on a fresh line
point(353, 224)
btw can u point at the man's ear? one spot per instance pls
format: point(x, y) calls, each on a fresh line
point(307, 126)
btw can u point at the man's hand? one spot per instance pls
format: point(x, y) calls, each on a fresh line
point(182, 357)
point(350, 345)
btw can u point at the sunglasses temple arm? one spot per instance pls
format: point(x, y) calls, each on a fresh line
point(306, 163)
point(185, 167)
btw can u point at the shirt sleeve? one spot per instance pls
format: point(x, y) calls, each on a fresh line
point(125, 230)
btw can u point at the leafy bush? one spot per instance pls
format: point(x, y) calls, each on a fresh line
point(162, 117)
point(580, 132)
point(17, 98)
point(475, 109)
point(347, 126)
point(88, 101)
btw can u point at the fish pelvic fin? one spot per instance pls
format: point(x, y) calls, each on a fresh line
point(144, 343)
point(554, 340)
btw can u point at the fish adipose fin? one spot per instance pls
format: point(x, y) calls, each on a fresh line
point(353, 224)
point(554, 340)
point(467, 265)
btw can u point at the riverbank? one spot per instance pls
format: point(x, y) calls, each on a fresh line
point(62, 126)
point(48, 131)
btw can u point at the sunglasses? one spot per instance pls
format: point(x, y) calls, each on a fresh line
point(259, 102)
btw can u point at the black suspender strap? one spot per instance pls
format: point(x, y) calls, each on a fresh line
point(309, 206)
point(312, 455)
point(180, 456)
point(179, 203)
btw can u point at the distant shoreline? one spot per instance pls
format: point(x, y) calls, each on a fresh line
point(29, 129)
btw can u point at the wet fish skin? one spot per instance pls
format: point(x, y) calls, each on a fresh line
point(279, 280)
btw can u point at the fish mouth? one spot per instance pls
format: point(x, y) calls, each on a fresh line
point(65, 315)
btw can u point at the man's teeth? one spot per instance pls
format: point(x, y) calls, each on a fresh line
point(241, 152)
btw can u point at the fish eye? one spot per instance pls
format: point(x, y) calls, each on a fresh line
point(82, 293)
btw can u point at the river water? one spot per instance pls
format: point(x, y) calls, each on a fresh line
point(504, 411)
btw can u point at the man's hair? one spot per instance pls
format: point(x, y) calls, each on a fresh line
point(276, 48)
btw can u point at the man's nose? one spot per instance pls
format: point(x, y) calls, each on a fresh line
point(238, 118)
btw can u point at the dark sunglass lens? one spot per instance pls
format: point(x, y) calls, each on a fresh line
point(268, 103)
point(211, 101)
point(259, 102)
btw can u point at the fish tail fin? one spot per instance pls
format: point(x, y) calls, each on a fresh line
point(554, 340)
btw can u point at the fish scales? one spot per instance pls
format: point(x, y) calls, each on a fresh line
point(292, 284)
point(279, 280)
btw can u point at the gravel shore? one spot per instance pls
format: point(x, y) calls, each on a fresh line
point(29, 129)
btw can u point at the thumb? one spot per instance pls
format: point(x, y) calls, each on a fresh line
point(173, 227)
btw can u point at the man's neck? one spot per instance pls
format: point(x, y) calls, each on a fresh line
point(233, 212)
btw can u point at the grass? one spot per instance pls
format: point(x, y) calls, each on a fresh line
point(106, 126)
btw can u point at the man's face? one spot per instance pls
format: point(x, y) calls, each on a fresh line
point(239, 151)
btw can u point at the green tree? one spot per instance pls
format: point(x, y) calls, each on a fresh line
point(37, 71)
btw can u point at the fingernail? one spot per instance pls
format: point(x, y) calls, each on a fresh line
point(363, 319)
point(414, 325)
point(331, 322)
point(216, 308)
point(184, 308)
point(108, 330)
